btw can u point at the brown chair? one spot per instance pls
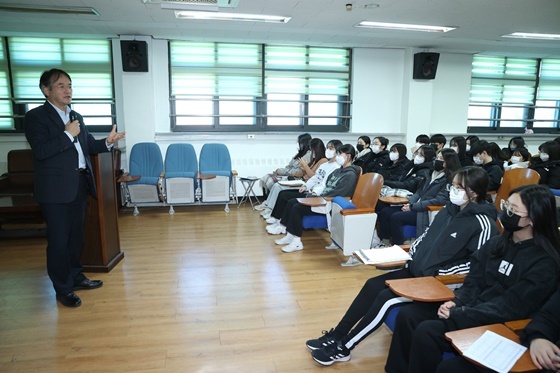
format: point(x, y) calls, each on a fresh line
point(513, 179)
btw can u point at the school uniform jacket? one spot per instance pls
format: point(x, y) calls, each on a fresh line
point(546, 324)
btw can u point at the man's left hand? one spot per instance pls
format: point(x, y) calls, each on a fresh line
point(114, 137)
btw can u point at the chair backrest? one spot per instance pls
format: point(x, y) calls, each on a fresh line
point(513, 179)
point(368, 190)
point(215, 159)
point(180, 161)
point(146, 161)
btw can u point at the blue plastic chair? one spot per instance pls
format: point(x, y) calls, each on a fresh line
point(215, 160)
point(145, 161)
point(181, 167)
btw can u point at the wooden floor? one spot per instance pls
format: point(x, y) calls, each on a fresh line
point(198, 291)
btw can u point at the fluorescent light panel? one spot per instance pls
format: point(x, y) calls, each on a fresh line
point(49, 9)
point(231, 17)
point(404, 26)
point(531, 35)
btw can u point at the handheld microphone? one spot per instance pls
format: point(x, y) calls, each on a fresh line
point(73, 117)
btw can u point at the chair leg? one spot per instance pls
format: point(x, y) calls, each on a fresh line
point(171, 211)
point(226, 209)
point(136, 212)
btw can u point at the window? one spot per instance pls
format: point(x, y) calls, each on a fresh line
point(87, 61)
point(221, 86)
point(514, 93)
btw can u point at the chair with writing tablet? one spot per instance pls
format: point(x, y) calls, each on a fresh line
point(181, 168)
point(216, 161)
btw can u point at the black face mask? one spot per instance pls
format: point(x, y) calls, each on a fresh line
point(511, 223)
point(359, 147)
point(438, 165)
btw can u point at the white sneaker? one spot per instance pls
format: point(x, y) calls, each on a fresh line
point(286, 240)
point(352, 262)
point(332, 246)
point(268, 214)
point(295, 245)
point(276, 229)
point(261, 206)
point(265, 212)
point(272, 220)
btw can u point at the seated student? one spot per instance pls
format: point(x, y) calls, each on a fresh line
point(520, 159)
point(341, 182)
point(514, 143)
point(380, 157)
point(438, 141)
point(495, 152)
point(511, 278)
point(470, 140)
point(541, 336)
point(314, 186)
point(293, 168)
point(420, 140)
point(434, 191)
point(457, 232)
point(423, 165)
point(459, 144)
point(481, 157)
point(547, 164)
point(365, 155)
point(399, 166)
point(317, 149)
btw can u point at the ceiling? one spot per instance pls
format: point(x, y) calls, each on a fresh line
point(315, 22)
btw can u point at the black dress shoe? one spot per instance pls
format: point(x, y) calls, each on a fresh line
point(69, 300)
point(88, 284)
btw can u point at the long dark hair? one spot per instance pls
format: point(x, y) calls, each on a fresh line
point(347, 149)
point(541, 206)
point(475, 179)
point(452, 162)
point(461, 145)
point(427, 152)
point(400, 148)
point(552, 148)
point(317, 150)
point(303, 140)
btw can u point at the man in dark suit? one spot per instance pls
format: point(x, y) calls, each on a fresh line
point(61, 146)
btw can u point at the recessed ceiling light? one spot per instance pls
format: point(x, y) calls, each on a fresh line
point(231, 17)
point(403, 26)
point(49, 9)
point(530, 35)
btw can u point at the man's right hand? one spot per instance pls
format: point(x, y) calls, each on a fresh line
point(73, 128)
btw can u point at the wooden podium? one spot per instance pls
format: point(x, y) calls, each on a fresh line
point(102, 249)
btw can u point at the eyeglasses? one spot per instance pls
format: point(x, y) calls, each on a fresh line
point(62, 87)
point(508, 209)
point(456, 189)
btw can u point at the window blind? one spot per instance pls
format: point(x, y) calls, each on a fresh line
point(307, 70)
point(549, 83)
point(88, 62)
point(6, 121)
point(502, 80)
point(215, 69)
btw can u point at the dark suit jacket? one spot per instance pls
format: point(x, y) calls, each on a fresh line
point(56, 157)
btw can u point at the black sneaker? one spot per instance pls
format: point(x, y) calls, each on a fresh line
point(326, 340)
point(331, 354)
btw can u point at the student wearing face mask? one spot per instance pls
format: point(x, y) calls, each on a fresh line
point(434, 191)
point(547, 164)
point(457, 231)
point(400, 164)
point(515, 142)
point(423, 166)
point(493, 167)
point(377, 159)
point(459, 144)
point(519, 159)
point(438, 141)
point(340, 182)
point(315, 185)
point(420, 141)
point(511, 278)
point(364, 153)
point(470, 140)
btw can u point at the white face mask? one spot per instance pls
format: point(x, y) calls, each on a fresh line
point(329, 153)
point(468, 148)
point(393, 156)
point(419, 159)
point(544, 157)
point(515, 159)
point(375, 149)
point(477, 160)
point(457, 197)
point(456, 148)
point(340, 160)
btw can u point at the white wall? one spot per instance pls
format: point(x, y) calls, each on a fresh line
point(386, 100)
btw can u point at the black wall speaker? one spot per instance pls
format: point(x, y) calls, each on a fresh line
point(425, 65)
point(134, 55)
